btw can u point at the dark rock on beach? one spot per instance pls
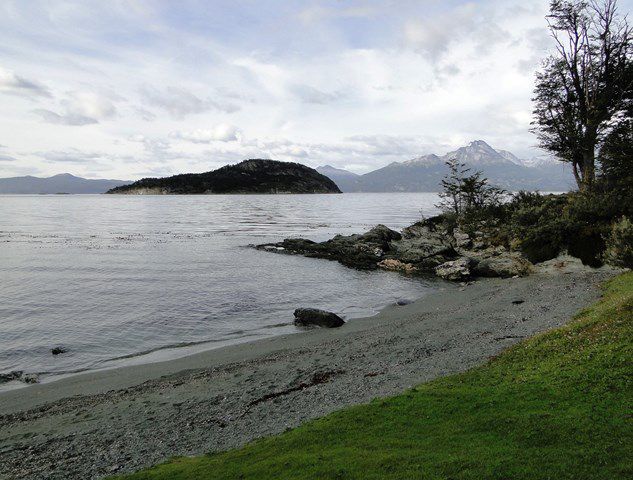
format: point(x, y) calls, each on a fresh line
point(305, 317)
point(19, 375)
point(10, 376)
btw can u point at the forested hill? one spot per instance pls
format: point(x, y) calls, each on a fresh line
point(249, 176)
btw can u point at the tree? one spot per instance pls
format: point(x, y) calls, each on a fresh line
point(584, 90)
point(452, 187)
point(462, 193)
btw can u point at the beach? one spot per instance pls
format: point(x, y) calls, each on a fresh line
point(112, 421)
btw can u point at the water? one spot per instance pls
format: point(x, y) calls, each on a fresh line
point(141, 278)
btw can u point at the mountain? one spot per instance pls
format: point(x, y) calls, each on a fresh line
point(346, 181)
point(249, 176)
point(62, 183)
point(424, 174)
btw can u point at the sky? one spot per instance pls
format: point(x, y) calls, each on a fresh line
point(131, 89)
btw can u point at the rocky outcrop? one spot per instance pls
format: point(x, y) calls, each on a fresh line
point(308, 317)
point(422, 248)
point(361, 251)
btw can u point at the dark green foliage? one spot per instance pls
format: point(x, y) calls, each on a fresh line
point(620, 244)
point(616, 157)
point(553, 407)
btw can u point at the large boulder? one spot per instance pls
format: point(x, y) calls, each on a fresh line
point(306, 317)
point(504, 265)
point(456, 270)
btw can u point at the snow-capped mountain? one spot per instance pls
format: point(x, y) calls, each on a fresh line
point(424, 173)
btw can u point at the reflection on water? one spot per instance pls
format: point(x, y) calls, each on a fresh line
point(114, 276)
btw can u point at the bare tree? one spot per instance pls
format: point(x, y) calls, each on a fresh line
point(583, 90)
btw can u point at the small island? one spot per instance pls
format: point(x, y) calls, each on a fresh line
point(249, 176)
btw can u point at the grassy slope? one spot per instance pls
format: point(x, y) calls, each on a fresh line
point(558, 406)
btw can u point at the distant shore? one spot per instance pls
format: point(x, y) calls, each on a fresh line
point(100, 423)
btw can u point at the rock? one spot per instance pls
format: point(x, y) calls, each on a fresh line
point(517, 302)
point(305, 317)
point(8, 377)
point(403, 302)
point(361, 251)
point(380, 234)
point(397, 266)
point(503, 265)
point(462, 239)
point(456, 270)
point(30, 378)
point(58, 350)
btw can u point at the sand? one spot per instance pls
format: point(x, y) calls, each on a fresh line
point(100, 423)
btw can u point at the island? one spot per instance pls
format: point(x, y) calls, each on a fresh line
point(249, 176)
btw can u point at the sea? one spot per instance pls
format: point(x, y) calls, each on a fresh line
point(117, 280)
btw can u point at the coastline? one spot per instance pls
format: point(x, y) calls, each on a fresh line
point(136, 416)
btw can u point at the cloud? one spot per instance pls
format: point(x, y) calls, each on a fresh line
point(80, 108)
point(49, 116)
point(6, 158)
point(72, 155)
point(15, 85)
point(308, 94)
point(145, 114)
point(434, 37)
point(317, 13)
point(223, 132)
point(179, 102)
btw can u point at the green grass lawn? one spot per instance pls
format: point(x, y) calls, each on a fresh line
point(558, 406)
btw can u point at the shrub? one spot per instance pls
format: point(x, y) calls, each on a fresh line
point(619, 250)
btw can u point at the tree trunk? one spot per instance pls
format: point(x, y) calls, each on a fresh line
point(577, 175)
point(588, 170)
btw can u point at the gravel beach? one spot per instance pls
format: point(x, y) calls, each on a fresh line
point(120, 420)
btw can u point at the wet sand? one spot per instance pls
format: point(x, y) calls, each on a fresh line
point(100, 423)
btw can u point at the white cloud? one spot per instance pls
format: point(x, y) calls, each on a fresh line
point(308, 94)
point(179, 102)
point(14, 84)
point(80, 108)
point(466, 25)
point(223, 132)
point(354, 84)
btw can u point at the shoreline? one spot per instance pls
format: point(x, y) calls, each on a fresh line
point(100, 380)
point(171, 353)
point(119, 420)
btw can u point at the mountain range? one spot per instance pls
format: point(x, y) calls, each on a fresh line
point(420, 174)
point(62, 183)
point(424, 174)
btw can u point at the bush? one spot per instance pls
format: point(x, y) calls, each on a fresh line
point(619, 250)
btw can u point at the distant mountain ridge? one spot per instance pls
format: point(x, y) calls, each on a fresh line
point(249, 176)
point(62, 183)
point(424, 173)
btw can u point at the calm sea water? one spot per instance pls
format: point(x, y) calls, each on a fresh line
point(139, 278)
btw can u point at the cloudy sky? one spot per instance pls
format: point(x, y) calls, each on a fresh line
point(127, 89)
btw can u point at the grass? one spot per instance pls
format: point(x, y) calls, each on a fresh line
point(558, 406)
